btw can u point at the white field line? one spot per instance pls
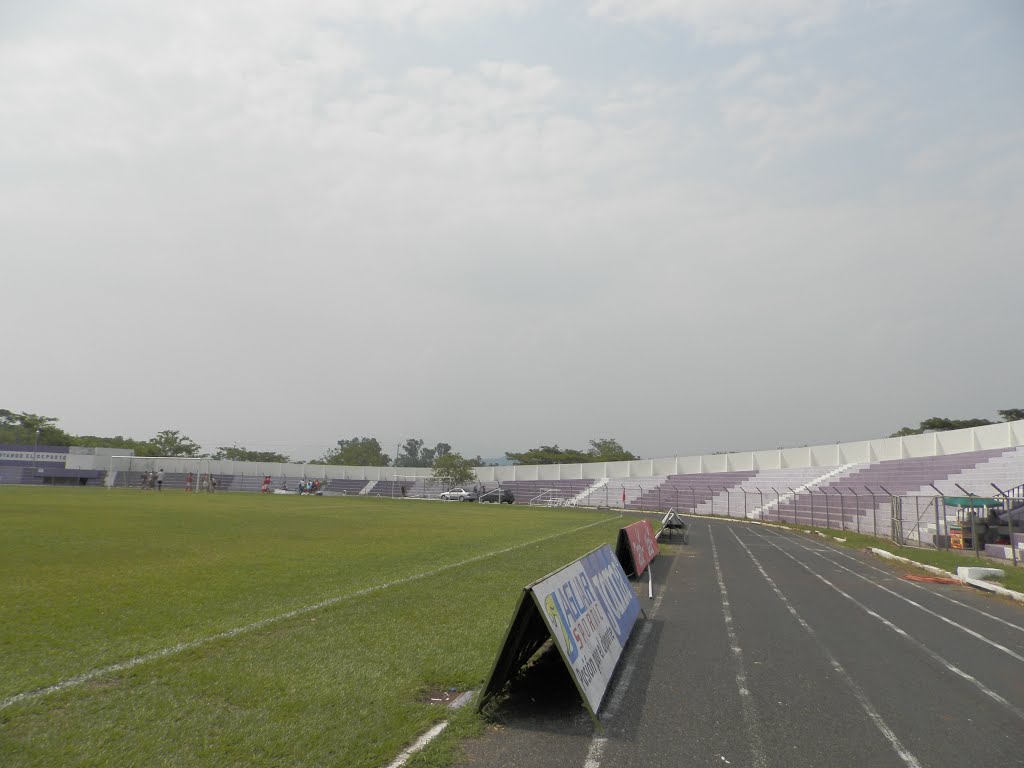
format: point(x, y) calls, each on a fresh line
point(85, 677)
point(598, 743)
point(902, 633)
point(905, 755)
point(419, 744)
point(929, 611)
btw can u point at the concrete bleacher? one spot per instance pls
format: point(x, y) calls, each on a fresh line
point(542, 492)
point(386, 489)
point(48, 473)
point(339, 487)
point(175, 481)
point(866, 492)
point(688, 492)
point(620, 493)
point(1005, 469)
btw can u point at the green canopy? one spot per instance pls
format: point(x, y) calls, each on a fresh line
point(971, 502)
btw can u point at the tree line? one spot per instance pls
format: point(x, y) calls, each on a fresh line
point(33, 429)
point(938, 424)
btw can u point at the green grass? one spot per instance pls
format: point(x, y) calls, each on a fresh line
point(89, 579)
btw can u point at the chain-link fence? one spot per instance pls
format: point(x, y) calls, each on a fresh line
point(909, 520)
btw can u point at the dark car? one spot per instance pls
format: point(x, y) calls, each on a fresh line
point(497, 496)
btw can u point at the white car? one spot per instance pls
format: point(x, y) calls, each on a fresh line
point(458, 494)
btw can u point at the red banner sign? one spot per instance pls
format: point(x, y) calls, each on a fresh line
point(643, 546)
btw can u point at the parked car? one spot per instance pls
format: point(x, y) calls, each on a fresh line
point(458, 494)
point(498, 496)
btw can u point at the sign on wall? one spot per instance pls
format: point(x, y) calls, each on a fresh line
point(588, 608)
point(636, 547)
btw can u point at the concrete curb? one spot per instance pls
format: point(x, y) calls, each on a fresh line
point(977, 583)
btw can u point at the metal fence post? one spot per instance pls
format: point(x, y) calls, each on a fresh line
point(778, 503)
point(1009, 521)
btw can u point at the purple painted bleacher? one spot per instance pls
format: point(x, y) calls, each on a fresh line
point(345, 487)
point(687, 492)
point(872, 486)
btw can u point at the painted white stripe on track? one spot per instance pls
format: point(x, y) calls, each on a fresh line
point(929, 611)
point(750, 717)
point(85, 677)
point(949, 666)
point(904, 754)
point(947, 598)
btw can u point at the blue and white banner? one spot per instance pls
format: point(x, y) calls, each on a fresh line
point(590, 608)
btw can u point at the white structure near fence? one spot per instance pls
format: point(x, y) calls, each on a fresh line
point(994, 436)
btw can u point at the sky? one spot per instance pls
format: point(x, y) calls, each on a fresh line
point(689, 225)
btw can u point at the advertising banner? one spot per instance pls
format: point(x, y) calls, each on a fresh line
point(590, 609)
point(638, 541)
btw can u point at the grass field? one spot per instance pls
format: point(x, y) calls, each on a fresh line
point(257, 630)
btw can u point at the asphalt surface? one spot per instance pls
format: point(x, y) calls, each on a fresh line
point(768, 648)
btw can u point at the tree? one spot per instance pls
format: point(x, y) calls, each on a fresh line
point(605, 449)
point(140, 447)
point(609, 449)
point(409, 454)
point(430, 455)
point(452, 469)
point(244, 454)
point(31, 429)
point(170, 442)
point(938, 424)
point(357, 452)
point(1012, 414)
point(413, 454)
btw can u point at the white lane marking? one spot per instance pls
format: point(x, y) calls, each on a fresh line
point(949, 666)
point(879, 722)
point(923, 588)
point(598, 742)
point(750, 717)
point(85, 677)
point(417, 745)
point(929, 611)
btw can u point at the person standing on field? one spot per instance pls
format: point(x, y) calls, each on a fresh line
point(188, 482)
point(160, 479)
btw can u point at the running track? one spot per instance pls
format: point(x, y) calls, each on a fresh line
point(767, 648)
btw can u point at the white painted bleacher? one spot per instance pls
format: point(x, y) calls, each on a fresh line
point(791, 481)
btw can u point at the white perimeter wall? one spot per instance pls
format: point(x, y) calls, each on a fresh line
point(1009, 435)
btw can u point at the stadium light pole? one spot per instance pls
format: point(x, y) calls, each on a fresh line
point(35, 452)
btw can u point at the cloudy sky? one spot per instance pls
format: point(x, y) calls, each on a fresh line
point(691, 225)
